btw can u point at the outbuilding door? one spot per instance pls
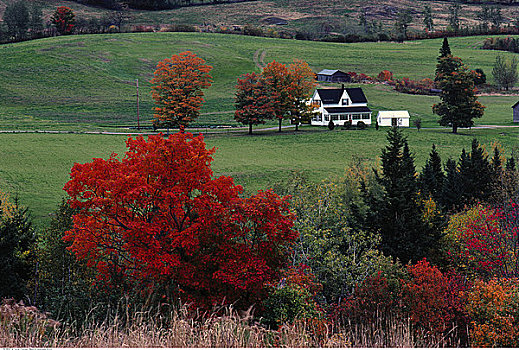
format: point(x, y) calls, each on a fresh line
point(394, 121)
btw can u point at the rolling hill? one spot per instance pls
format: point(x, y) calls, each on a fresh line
point(89, 80)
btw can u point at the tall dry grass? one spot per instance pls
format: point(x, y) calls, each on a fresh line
point(23, 326)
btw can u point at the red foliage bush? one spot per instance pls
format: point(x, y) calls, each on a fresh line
point(433, 300)
point(421, 87)
point(158, 218)
point(371, 299)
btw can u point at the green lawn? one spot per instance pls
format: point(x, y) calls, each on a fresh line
point(85, 82)
point(36, 166)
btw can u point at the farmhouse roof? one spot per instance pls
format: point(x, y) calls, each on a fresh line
point(332, 96)
point(328, 71)
point(336, 110)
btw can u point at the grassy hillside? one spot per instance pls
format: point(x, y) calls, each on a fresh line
point(79, 81)
point(86, 82)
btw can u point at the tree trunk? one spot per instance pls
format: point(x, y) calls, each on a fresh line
point(454, 128)
point(280, 120)
point(250, 128)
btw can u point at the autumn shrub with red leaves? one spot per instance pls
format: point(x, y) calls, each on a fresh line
point(434, 301)
point(64, 19)
point(158, 219)
point(483, 241)
point(372, 298)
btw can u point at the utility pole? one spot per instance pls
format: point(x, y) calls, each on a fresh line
point(138, 120)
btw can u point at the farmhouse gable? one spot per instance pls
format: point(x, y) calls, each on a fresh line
point(340, 106)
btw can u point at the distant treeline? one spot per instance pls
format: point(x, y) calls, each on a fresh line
point(153, 4)
point(504, 44)
point(487, 2)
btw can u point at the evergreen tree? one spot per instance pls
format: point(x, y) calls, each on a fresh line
point(432, 177)
point(36, 20)
point(510, 164)
point(403, 21)
point(16, 253)
point(398, 215)
point(445, 50)
point(496, 164)
point(16, 17)
point(451, 189)
point(475, 175)
point(454, 17)
point(459, 104)
point(427, 19)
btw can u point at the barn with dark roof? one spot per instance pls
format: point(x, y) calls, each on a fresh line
point(333, 76)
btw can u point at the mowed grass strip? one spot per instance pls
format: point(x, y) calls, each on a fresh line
point(90, 79)
point(36, 166)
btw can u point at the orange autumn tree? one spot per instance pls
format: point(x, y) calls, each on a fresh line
point(178, 89)
point(158, 220)
point(253, 104)
point(302, 79)
point(277, 78)
point(279, 92)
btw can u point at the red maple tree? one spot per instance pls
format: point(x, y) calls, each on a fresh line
point(64, 19)
point(253, 104)
point(157, 218)
point(178, 89)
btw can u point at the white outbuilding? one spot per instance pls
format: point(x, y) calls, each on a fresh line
point(393, 118)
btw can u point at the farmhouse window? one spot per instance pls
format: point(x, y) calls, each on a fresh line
point(345, 101)
point(356, 116)
point(326, 117)
point(365, 116)
point(335, 117)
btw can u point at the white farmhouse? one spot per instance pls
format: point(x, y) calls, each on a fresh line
point(339, 106)
point(393, 118)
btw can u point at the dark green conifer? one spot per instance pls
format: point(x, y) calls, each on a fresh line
point(496, 164)
point(451, 189)
point(398, 215)
point(510, 164)
point(432, 177)
point(445, 50)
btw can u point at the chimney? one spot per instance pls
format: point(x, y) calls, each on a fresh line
point(342, 85)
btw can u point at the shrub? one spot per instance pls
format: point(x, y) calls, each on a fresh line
point(494, 309)
point(482, 241)
point(292, 298)
point(434, 300)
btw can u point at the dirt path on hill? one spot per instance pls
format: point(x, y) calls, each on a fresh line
point(259, 58)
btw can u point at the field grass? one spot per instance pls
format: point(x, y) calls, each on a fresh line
point(85, 82)
point(36, 166)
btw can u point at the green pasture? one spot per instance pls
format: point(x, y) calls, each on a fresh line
point(88, 82)
point(35, 166)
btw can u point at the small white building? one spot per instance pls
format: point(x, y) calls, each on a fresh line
point(393, 118)
point(340, 106)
